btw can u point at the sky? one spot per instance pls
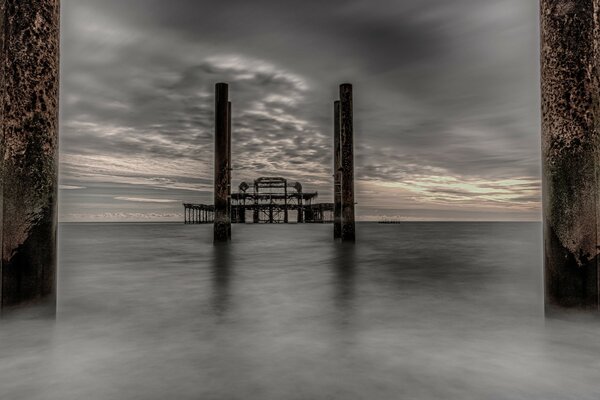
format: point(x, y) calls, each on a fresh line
point(446, 103)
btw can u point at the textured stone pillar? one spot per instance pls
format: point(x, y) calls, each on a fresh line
point(221, 220)
point(29, 45)
point(347, 162)
point(337, 165)
point(570, 147)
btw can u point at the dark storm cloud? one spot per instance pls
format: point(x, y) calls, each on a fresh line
point(441, 88)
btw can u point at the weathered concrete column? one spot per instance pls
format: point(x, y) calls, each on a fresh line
point(337, 177)
point(222, 221)
point(347, 162)
point(570, 147)
point(29, 73)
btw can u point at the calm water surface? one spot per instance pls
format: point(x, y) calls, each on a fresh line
point(413, 311)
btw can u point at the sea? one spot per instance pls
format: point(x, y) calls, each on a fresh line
point(416, 310)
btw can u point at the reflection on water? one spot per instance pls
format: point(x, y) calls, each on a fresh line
point(221, 277)
point(412, 311)
point(344, 273)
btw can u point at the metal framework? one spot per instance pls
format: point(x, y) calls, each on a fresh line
point(269, 200)
point(198, 213)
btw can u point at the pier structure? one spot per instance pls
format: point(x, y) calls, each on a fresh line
point(29, 100)
point(198, 213)
point(570, 61)
point(272, 199)
point(269, 200)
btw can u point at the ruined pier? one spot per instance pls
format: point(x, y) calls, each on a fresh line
point(268, 200)
point(273, 199)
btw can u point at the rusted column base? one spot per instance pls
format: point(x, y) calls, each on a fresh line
point(568, 284)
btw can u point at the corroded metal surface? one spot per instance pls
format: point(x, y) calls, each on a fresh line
point(337, 165)
point(229, 162)
point(347, 162)
point(570, 146)
point(29, 123)
point(221, 181)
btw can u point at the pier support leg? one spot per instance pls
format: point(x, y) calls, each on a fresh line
point(570, 152)
point(285, 207)
point(337, 165)
point(229, 167)
point(29, 84)
point(222, 221)
point(300, 209)
point(347, 162)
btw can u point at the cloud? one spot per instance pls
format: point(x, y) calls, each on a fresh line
point(446, 96)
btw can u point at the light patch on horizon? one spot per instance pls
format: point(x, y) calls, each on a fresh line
point(145, 200)
point(68, 187)
point(444, 189)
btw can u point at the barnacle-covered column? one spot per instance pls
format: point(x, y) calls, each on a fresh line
point(570, 152)
point(29, 65)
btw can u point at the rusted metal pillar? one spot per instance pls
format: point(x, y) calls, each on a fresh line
point(222, 222)
point(570, 152)
point(347, 162)
point(300, 209)
point(337, 186)
point(285, 211)
point(229, 167)
point(29, 86)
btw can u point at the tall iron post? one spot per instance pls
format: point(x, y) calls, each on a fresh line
point(29, 89)
point(570, 152)
point(285, 207)
point(337, 186)
point(300, 217)
point(222, 221)
point(347, 162)
point(229, 213)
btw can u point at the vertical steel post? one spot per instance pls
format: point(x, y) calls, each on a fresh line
point(229, 163)
point(285, 211)
point(221, 218)
point(347, 162)
point(337, 166)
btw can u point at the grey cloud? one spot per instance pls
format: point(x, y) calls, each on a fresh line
point(438, 85)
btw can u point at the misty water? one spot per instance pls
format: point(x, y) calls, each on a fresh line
point(412, 311)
